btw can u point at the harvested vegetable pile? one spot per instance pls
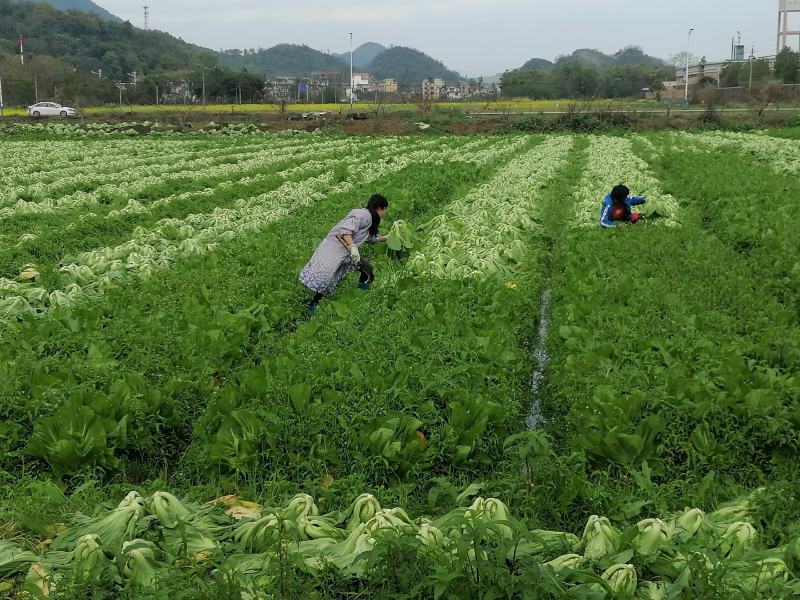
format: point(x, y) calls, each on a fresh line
point(141, 540)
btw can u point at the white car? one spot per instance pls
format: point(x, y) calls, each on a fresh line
point(50, 109)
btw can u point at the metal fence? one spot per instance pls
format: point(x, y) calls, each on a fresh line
point(706, 94)
point(757, 93)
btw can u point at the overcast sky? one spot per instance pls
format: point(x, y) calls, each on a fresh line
point(475, 37)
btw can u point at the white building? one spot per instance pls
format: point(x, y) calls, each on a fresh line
point(710, 70)
point(361, 80)
point(361, 84)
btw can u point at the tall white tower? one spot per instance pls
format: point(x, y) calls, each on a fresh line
point(785, 9)
point(146, 17)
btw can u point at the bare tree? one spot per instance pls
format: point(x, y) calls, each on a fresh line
point(771, 91)
point(706, 94)
point(679, 60)
point(379, 108)
point(424, 106)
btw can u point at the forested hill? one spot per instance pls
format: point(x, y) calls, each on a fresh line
point(588, 73)
point(409, 67)
point(88, 43)
point(630, 55)
point(364, 54)
point(283, 59)
point(537, 64)
point(87, 40)
point(80, 5)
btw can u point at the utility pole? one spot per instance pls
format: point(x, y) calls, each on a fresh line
point(99, 73)
point(146, 17)
point(204, 89)
point(156, 93)
point(351, 72)
point(36, 88)
point(1, 96)
point(21, 49)
point(752, 59)
point(686, 90)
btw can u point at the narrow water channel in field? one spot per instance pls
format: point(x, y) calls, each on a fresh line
point(535, 416)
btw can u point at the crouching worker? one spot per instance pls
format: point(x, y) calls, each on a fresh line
point(337, 255)
point(618, 207)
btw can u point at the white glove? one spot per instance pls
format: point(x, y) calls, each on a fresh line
point(354, 254)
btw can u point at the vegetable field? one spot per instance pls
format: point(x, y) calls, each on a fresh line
point(523, 405)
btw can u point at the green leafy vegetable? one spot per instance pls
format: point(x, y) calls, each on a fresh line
point(401, 237)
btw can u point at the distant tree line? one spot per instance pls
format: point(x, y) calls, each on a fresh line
point(578, 79)
point(44, 78)
point(588, 73)
point(786, 70)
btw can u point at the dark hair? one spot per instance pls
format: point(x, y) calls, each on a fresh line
point(620, 193)
point(375, 202)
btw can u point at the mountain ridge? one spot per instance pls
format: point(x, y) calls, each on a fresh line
point(118, 48)
point(409, 66)
point(88, 43)
point(282, 60)
point(406, 65)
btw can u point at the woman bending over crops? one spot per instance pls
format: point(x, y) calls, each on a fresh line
point(337, 255)
point(617, 207)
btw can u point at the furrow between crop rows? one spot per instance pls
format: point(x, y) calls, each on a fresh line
point(780, 155)
point(744, 207)
point(470, 152)
point(195, 345)
point(481, 233)
point(114, 192)
point(161, 246)
point(49, 238)
point(310, 163)
point(135, 155)
point(413, 387)
point(26, 158)
point(139, 179)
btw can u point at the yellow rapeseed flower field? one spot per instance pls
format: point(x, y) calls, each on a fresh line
point(500, 106)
